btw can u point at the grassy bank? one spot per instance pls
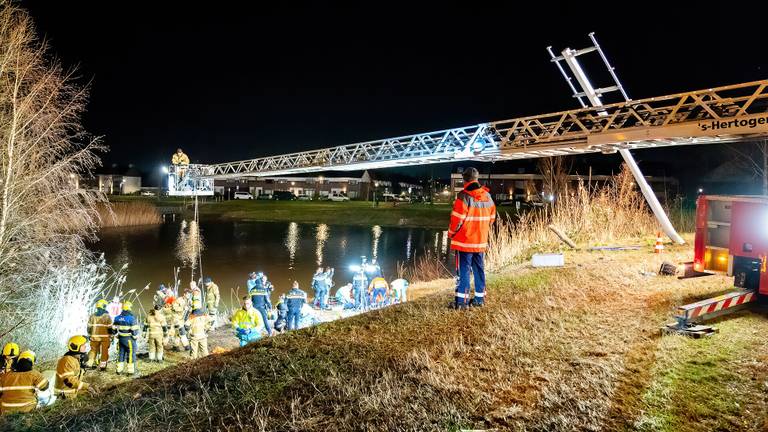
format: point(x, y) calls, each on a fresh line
point(337, 213)
point(332, 213)
point(576, 348)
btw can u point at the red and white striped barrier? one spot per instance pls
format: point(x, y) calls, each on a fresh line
point(705, 307)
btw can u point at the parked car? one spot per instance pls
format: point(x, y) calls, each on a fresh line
point(338, 197)
point(530, 205)
point(264, 196)
point(243, 195)
point(304, 197)
point(283, 196)
point(147, 193)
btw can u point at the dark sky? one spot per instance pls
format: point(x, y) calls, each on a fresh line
point(226, 82)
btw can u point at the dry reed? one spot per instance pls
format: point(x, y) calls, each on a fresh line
point(123, 214)
point(614, 212)
point(424, 268)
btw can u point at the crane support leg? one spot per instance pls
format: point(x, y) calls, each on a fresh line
point(651, 198)
point(687, 315)
point(593, 95)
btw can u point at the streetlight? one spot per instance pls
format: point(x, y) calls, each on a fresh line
point(167, 183)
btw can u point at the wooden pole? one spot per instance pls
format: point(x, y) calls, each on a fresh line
point(561, 235)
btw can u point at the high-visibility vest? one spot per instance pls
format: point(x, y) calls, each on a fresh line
point(378, 283)
point(471, 218)
point(246, 319)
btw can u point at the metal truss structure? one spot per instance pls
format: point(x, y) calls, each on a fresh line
point(724, 114)
point(190, 180)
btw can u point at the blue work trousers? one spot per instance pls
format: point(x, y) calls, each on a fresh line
point(470, 262)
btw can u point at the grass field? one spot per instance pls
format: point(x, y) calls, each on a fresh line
point(576, 348)
point(337, 213)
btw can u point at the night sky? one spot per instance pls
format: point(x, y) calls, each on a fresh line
point(227, 82)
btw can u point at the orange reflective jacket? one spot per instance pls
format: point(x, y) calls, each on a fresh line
point(472, 215)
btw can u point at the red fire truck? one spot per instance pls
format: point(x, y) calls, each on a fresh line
point(731, 239)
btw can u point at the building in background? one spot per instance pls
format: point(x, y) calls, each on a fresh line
point(529, 187)
point(360, 186)
point(114, 181)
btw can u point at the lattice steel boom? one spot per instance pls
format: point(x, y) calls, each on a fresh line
point(724, 114)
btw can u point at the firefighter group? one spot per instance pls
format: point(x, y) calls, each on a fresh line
point(182, 323)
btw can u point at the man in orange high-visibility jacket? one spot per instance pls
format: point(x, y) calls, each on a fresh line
point(471, 218)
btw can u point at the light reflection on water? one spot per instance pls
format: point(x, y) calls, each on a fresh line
point(285, 251)
point(376, 236)
point(408, 245)
point(321, 235)
point(444, 249)
point(292, 242)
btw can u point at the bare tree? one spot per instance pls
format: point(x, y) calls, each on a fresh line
point(44, 216)
point(753, 158)
point(554, 171)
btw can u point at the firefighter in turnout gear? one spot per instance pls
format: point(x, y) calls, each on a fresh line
point(212, 296)
point(100, 333)
point(69, 372)
point(180, 162)
point(198, 324)
point(178, 316)
point(127, 329)
point(156, 328)
point(471, 218)
point(8, 360)
point(194, 293)
point(19, 388)
point(295, 299)
point(180, 158)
